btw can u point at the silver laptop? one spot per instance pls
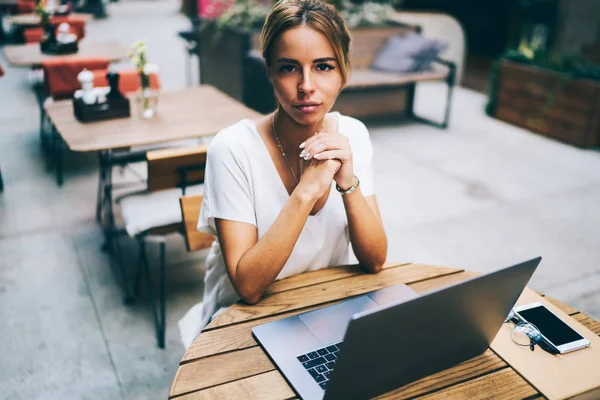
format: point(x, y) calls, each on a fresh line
point(380, 341)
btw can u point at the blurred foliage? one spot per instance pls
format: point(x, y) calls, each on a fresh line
point(251, 14)
point(537, 29)
point(40, 9)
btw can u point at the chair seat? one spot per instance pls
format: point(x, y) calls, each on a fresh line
point(143, 211)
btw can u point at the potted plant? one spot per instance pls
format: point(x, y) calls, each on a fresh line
point(558, 97)
point(551, 94)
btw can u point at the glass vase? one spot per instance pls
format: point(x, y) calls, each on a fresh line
point(147, 103)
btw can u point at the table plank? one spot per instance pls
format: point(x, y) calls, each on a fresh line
point(30, 55)
point(267, 386)
point(503, 384)
point(182, 114)
point(300, 298)
point(478, 366)
point(320, 276)
point(223, 368)
point(442, 281)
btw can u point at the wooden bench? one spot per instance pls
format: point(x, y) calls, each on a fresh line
point(368, 93)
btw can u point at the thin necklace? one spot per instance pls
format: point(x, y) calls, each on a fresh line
point(282, 152)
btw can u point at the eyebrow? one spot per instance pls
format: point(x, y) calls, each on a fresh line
point(318, 60)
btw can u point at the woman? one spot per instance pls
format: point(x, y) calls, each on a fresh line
point(270, 190)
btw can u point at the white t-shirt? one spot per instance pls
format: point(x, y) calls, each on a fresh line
point(242, 184)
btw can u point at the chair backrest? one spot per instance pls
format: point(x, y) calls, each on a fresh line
point(176, 167)
point(60, 74)
point(190, 211)
point(366, 43)
point(25, 6)
point(129, 81)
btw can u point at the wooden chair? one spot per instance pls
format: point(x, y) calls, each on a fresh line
point(151, 215)
point(190, 212)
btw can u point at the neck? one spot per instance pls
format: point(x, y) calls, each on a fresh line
point(292, 132)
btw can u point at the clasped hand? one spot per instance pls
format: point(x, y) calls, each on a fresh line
point(330, 158)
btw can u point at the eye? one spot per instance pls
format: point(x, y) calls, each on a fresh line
point(287, 68)
point(325, 67)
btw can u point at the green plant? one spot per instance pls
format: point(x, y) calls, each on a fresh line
point(251, 15)
point(40, 9)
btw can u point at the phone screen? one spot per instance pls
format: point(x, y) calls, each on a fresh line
point(550, 325)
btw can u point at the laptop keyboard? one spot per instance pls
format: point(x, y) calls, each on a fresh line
point(319, 363)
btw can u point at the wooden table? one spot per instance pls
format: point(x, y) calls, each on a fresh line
point(226, 362)
point(183, 114)
point(30, 55)
point(33, 19)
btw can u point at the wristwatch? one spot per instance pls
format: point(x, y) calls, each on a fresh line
point(350, 189)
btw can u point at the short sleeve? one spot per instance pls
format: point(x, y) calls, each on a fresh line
point(362, 151)
point(227, 186)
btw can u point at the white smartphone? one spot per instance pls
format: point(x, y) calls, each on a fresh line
point(553, 329)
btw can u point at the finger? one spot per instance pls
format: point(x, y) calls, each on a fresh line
point(321, 135)
point(333, 143)
point(341, 155)
point(318, 147)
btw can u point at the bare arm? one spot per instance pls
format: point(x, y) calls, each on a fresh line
point(252, 264)
point(366, 230)
point(364, 221)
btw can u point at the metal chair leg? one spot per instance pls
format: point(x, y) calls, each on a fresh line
point(160, 313)
point(58, 157)
point(1, 182)
point(188, 70)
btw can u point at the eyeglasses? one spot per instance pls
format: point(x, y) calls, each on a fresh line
point(524, 334)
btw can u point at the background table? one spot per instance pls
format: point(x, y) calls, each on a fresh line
point(226, 362)
point(33, 19)
point(30, 55)
point(183, 114)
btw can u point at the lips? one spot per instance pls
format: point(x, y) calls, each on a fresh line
point(307, 108)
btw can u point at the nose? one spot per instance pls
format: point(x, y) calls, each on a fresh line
point(306, 85)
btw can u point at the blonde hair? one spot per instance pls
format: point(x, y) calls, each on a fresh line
point(315, 14)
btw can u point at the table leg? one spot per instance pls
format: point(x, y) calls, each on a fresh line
point(104, 170)
point(58, 159)
point(1, 182)
point(160, 313)
point(2, 33)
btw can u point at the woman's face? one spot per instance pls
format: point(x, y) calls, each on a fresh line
point(305, 74)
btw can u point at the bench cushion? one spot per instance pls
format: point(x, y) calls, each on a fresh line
point(143, 210)
point(408, 53)
point(366, 79)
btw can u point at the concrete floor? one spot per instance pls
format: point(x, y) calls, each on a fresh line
point(480, 195)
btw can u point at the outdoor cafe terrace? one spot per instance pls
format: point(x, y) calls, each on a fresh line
point(478, 196)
